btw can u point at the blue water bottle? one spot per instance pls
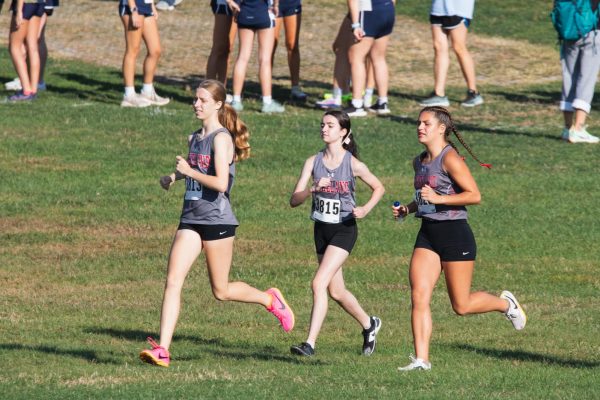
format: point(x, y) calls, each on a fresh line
point(396, 205)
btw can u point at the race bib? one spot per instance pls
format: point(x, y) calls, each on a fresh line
point(327, 210)
point(193, 189)
point(365, 5)
point(423, 206)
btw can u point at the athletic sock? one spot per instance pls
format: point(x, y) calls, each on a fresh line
point(237, 98)
point(267, 99)
point(357, 103)
point(129, 91)
point(382, 100)
point(148, 88)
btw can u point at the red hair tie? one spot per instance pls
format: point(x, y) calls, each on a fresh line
point(488, 166)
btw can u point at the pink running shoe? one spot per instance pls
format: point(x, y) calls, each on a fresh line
point(157, 356)
point(281, 309)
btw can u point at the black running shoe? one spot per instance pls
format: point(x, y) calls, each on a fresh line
point(369, 336)
point(303, 349)
point(379, 109)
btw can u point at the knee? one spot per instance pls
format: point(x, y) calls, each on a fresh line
point(155, 53)
point(220, 294)
point(460, 48)
point(336, 294)
point(439, 47)
point(460, 309)
point(420, 298)
point(318, 287)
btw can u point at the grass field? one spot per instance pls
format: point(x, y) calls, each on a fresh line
point(86, 229)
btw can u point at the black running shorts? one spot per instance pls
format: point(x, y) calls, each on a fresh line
point(342, 235)
point(452, 240)
point(210, 232)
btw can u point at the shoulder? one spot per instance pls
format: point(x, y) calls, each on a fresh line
point(453, 161)
point(358, 167)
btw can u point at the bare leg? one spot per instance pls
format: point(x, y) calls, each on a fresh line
point(133, 40)
point(17, 38)
point(339, 293)
point(357, 55)
point(266, 39)
point(329, 265)
point(292, 44)
point(246, 37)
point(380, 67)
point(218, 60)
point(459, 275)
point(425, 269)
point(152, 40)
point(341, 45)
point(441, 60)
point(33, 54)
point(458, 36)
point(42, 48)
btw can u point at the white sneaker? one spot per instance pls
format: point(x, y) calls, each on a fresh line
point(228, 99)
point(367, 101)
point(15, 84)
point(162, 5)
point(581, 136)
point(237, 105)
point(155, 99)
point(135, 100)
point(565, 134)
point(272, 107)
point(515, 313)
point(416, 363)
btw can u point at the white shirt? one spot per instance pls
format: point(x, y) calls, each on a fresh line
point(462, 8)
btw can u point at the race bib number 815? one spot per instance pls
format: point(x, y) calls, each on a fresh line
point(327, 210)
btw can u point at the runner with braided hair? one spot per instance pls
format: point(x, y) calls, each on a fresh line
point(443, 187)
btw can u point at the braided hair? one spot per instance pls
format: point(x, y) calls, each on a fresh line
point(443, 116)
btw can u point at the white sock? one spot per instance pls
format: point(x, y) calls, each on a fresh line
point(267, 99)
point(237, 98)
point(148, 88)
point(337, 92)
point(369, 92)
point(382, 100)
point(357, 103)
point(129, 91)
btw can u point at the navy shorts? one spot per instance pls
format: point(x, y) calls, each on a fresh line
point(448, 22)
point(452, 240)
point(342, 235)
point(210, 232)
point(379, 22)
point(143, 9)
point(288, 8)
point(30, 10)
point(220, 7)
point(255, 15)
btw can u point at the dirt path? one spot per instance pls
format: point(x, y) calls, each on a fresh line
point(90, 30)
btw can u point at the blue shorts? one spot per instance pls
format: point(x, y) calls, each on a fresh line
point(220, 7)
point(448, 22)
point(50, 6)
point(143, 9)
point(380, 21)
point(30, 10)
point(288, 8)
point(255, 15)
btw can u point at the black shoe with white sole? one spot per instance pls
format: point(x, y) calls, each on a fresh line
point(369, 336)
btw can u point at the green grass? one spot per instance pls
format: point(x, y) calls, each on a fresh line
point(86, 231)
point(515, 19)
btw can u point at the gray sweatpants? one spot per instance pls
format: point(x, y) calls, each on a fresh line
point(580, 61)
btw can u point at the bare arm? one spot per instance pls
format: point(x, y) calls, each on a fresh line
point(353, 9)
point(301, 193)
point(458, 170)
point(362, 171)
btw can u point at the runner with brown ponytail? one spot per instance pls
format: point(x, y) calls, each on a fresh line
point(443, 187)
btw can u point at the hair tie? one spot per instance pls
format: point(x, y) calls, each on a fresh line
point(347, 139)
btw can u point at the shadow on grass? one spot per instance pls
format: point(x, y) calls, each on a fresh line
point(520, 355)
point(475, 128)
point(88, 355)
point(217, 347)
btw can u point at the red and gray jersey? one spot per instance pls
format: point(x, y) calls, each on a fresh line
point(434, 175)
point(203, 205)
point(334, 204)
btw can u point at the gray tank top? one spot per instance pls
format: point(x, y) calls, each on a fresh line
point(334, 204)
point(202, 205)
point(433, 174)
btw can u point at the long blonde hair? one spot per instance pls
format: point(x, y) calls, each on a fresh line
point(229, 119)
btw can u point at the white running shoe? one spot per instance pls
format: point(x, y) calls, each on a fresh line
point(135, 100)
point(15, 85)
point(416, 364)
point(155, 99)
point(272, 107)
point(162, 5)
point(515, 313)
point(228, 99)
point(581, 136)
point(237, 105)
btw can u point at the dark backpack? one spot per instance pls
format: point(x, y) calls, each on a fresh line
point(573, 19)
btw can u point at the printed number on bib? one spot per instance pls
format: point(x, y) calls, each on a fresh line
point(327, 210)
point(193, 189)
point(424, 207)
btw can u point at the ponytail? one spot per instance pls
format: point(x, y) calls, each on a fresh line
point(443, 116)
point(229, 119)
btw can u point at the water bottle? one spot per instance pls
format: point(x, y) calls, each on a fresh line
point(396, 205)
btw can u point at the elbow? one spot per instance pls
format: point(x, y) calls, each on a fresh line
point(476, 198)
